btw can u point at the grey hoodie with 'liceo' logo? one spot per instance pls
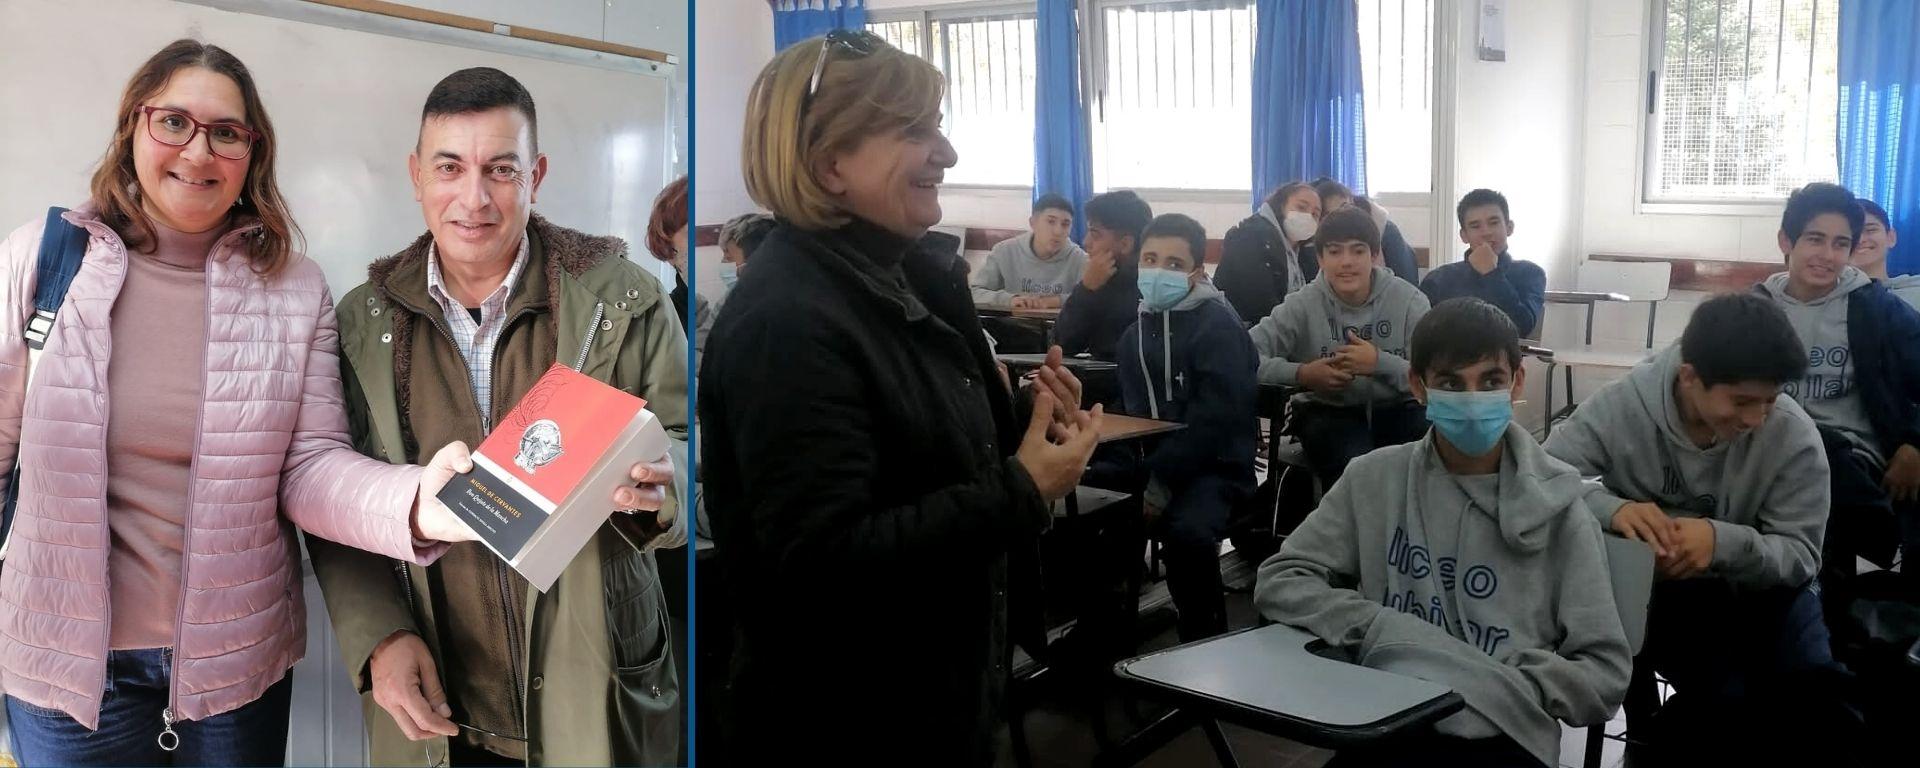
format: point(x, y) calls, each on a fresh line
point(1765, 492)
point(1313, 322)
point(1493, 585)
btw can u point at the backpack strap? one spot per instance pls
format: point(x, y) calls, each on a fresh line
point(62, 246)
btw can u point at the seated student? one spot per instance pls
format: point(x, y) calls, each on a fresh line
point(1467, 558)
point(1488, 272)
point(1862, 346)
point(738, 238)
point(1700, 455)
point(1034, 270)
point(1107, 300)
point(1395, 253)
point(1877, 238)
point(1344, 338)
point(1188, 360)
point(1265, 258)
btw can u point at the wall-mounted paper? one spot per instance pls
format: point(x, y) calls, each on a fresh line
point(1493, 30)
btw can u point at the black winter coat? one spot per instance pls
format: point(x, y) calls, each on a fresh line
point(857, 464)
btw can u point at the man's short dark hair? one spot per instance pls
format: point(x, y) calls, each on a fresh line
point(1740, 337)
point(1327, 187)
point(478, 89)
point(1052, 202)
point(1480, 197)
point(1346, 224)
point(1184, 227)
point(1873, 209)
point(1459, 332)
point(1812, 200)
point(1121, 212)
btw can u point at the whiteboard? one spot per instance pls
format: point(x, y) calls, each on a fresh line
point(344, 90)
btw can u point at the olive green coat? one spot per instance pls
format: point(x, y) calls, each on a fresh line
point(582, 707)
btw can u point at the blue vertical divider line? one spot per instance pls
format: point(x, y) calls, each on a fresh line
point(1876, 133)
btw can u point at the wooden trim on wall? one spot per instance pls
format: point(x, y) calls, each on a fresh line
point(410, 13)
point(1706, 275)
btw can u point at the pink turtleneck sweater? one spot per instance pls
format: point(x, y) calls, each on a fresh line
point(153, 387)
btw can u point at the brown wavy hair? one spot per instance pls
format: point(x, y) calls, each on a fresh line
point(116, 186)
point(669, 216)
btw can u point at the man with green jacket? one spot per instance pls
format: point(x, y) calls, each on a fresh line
point(461, 661)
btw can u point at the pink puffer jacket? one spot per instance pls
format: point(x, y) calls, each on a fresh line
point(273, 438)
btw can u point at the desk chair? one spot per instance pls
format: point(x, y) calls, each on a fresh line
point(1602, 281)
point(1630, 569)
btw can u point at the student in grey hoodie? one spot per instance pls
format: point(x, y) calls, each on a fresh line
point(1700, 454)
point(1035, 270)
point(1467, 558)
point(1877, 239)
point(1343, 338)
point(1862, 386)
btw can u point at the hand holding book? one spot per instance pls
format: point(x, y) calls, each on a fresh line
point(432, 521)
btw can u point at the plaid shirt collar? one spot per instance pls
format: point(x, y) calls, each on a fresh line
point(493, 304)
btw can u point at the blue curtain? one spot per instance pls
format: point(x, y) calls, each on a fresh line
point(797, 20)
point(1308, 119)
point(1879, 128)
point(1062, 156)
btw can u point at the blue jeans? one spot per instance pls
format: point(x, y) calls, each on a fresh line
point(130, 724)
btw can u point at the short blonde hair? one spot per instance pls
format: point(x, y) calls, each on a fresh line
point(859, 97)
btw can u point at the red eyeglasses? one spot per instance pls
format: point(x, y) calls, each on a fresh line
point(175, 129)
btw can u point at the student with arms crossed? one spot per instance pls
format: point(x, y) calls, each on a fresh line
point(1700, 455)
point(1343, 339)
point(1187, 360)
point(1489, 273)
point(1467, 558)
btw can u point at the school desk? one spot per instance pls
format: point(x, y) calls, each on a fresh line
point(1115, 428)
point(1270, 679)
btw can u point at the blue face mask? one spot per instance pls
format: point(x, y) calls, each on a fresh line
point(1161, 289)
point(1472, 421)
point(729, 274)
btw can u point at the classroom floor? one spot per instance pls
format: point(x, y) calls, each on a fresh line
point(1061, 729)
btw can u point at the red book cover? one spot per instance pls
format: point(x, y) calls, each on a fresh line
point(559, 452)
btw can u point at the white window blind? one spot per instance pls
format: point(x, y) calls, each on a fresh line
point(1173, 101)
point(990, 64)
point(1396, 71)
point(1744, 99)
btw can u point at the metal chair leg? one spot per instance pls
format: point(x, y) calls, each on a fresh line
point(1596, 743)
point(1222, 750)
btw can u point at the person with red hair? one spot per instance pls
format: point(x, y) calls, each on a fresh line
point(667, 238)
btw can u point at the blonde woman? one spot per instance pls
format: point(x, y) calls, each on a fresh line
point(865, 470)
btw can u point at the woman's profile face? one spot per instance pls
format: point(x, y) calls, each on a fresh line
point(893, 179)
point(1305, 201)
point(189, 188)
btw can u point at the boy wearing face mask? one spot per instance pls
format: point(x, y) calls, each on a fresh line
point(1343, 338)
point(738, 238)
point(1187, 360)
point(1700, 454)
point(1467, 558)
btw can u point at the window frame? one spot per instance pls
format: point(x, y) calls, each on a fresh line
point(1652, 64)
point(925, 17)
point(1093, 69)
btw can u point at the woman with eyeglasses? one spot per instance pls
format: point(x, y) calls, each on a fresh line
point(866, 473)
point(184, 415)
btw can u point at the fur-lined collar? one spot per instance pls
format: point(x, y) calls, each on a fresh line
point(567, 250)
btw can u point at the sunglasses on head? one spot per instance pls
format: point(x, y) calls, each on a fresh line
point(858, 42)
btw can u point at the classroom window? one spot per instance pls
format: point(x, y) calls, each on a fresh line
point(1744, 99)
point(1173, 97)
point(1396, 72)
point(989, 60)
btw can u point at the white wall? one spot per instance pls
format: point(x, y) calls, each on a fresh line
point(1615, 118)
point(733, 42)
point(658, 25)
